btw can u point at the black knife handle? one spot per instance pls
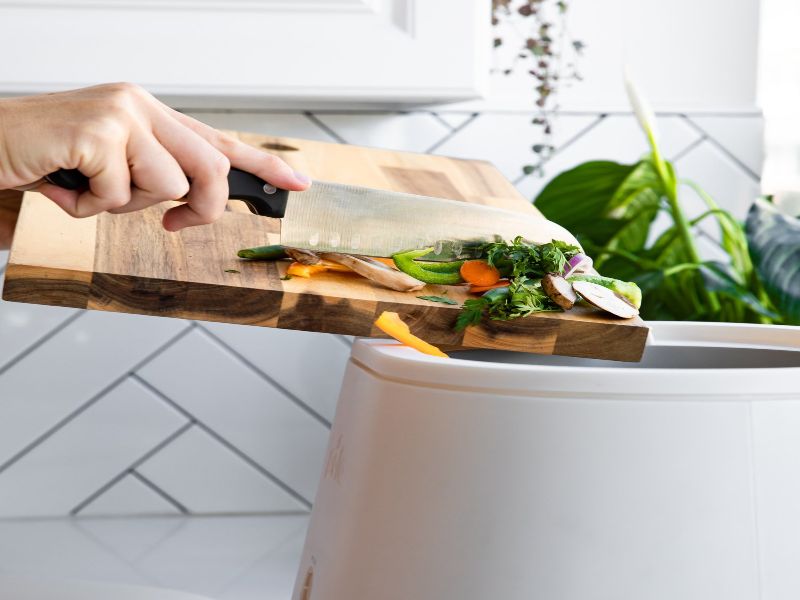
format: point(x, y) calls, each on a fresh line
point(260, 197)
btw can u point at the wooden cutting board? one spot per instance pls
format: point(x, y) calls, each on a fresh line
point(128, 263)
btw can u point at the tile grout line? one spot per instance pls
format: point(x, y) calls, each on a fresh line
point(289, 395)
point(127, 471)
point(719, 146)
point(323, 126)
point(600, 118)
point(35, 345)
point(453, 132)
point(86, 405)
point(688, 149)
point(223, 441)
point(78, 523)
point(436, 116)
point(157, 490)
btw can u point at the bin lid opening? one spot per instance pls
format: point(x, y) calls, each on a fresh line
point(655, 357)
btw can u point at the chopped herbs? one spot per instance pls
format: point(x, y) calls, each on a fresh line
point(525, 264)
point(286, 278)
point(518, 258)
point(232, 271)
point(438, 299)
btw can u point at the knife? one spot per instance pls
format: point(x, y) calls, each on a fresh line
point(334, 217)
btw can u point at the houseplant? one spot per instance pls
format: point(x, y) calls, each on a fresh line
point(611, 208)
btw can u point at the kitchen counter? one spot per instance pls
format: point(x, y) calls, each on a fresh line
point(222, 558)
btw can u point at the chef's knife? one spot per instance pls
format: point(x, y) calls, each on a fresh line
point(333, 217)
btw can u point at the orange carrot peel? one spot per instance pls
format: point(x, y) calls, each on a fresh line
point(479, 273)
point(392, 325)
point(479, 289)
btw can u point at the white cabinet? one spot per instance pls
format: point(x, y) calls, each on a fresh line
point(252, 52)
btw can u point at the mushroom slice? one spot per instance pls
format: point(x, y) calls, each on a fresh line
point(605, 299)
point(305, 257)
point(375, 271)
point(559, 290)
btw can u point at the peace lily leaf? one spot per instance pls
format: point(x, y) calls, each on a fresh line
point(634, 226)
point(774, 240)
point(642, 177)
point(577, 198)
point(719, 278)
point(609, 204)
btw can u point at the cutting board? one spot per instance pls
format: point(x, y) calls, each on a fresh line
point(128, 263)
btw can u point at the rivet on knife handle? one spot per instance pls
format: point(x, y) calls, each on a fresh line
point(261, 198)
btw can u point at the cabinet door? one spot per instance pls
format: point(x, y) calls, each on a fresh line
point(257, 52)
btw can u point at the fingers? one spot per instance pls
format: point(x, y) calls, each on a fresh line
point(266, 166)
point(206, 166)
point(155, 174)
point(109, 188)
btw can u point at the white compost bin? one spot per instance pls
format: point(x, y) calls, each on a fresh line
point(507, 476)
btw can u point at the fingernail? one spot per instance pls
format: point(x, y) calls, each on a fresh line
point(301, 178)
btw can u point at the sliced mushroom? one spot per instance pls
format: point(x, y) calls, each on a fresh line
point(559, 290)
point(605, 299)
point(375, 271)
point(306, 257)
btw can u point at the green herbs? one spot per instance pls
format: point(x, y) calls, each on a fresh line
point(519, 259)
point(440, 299)
point(525, 264)
point(522, 297)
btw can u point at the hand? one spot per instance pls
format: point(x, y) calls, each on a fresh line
point(9, 210)
point(135, 151)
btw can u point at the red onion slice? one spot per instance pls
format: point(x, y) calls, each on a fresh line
point(580, 263)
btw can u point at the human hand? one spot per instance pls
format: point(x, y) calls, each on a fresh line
point(135, 151)
point(9, 211)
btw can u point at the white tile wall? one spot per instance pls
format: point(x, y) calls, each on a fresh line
point(107, 414)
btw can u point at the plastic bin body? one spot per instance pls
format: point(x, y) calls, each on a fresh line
point(532, 477)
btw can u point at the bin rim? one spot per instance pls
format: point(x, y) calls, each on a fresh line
point(388, 359)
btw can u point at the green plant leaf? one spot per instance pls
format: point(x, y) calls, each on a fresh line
point(774, 240)
point(634, 225)
point(577, 198)
point(718, 277)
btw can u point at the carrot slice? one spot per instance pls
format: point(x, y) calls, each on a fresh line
point(391, 324)
point(479, 289)
point(297, 269)
point(387, 261)
point(332, 266)
point(479, 273)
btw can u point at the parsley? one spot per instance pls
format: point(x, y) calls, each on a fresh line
point(519, 258)
point(525, 264)
point(438, 299)
point(232, 271)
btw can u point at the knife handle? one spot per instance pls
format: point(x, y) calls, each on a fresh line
point(260, 197)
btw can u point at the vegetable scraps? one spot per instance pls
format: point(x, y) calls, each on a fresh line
point(392, 325)
point(516, 279)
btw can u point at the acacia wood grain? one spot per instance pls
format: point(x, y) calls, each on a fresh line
point(129, 263)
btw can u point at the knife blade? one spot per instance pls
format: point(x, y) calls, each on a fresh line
point(334, 217)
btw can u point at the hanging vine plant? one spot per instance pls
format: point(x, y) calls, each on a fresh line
point(548, 53)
